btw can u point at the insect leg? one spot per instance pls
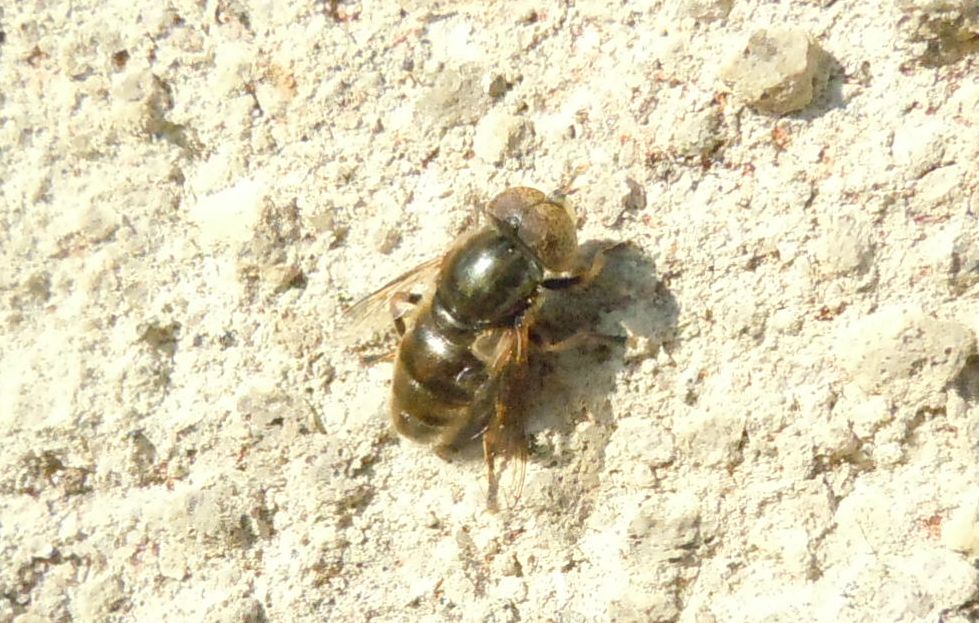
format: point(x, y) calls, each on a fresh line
point(578, 340)
point(586, 276)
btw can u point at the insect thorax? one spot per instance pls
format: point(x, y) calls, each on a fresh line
point(487, 281)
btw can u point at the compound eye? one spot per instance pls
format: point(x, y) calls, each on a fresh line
point(546, 228)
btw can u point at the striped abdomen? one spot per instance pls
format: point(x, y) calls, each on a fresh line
point(436, 381)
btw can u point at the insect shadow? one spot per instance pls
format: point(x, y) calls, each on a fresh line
point(627, 297)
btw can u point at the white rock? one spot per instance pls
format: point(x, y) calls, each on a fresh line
point(229, 215)
point(947, 578)
point(497, 134)
point(938, 185)
point(960, 532)
point(98, 597)
point(452, 41)
point(964, 265)
point(869, 415)
point(902, 353)
point(707, 10)
point(759, 592)
point(790, 545)
point(172, 561)
point(638, 445)
point(888, 454)
point(710, 437)
point(843, 246)
point(639, 601)
point(132, 86)
point(232, 66)
point(665, 523)
point(919, 145)
point(778, 70)
point(965, 101)
point(511, 588)
point(98, 223)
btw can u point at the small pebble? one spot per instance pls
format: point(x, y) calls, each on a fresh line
point(497, 135)
point(901, 352)
point(960, 532)
point(706, 10)
point(698, 134)
point(778, 70)
point(843, 247)
point(229, 215)
point(964, 269)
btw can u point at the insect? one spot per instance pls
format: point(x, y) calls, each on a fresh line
point(461, 365)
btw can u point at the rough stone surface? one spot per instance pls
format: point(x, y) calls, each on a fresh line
point(498, 135)
point(193, 192)
point(902, 353)
point(946, 29)
point(98, 598)
point(778, 70)
point(963, 267)
point(708, 10)
point(698, 134)
point(843, 246)
point(961, 531)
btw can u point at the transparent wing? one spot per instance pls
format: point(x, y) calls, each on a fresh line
point(504, 442)
point(372, 313)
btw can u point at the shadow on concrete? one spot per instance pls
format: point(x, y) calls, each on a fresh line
point(576, 385)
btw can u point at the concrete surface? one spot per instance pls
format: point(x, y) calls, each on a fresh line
point(191, 192)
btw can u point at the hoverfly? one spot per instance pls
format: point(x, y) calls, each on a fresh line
point(461, 365)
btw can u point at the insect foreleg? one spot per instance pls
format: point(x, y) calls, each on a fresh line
point(584, 277)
